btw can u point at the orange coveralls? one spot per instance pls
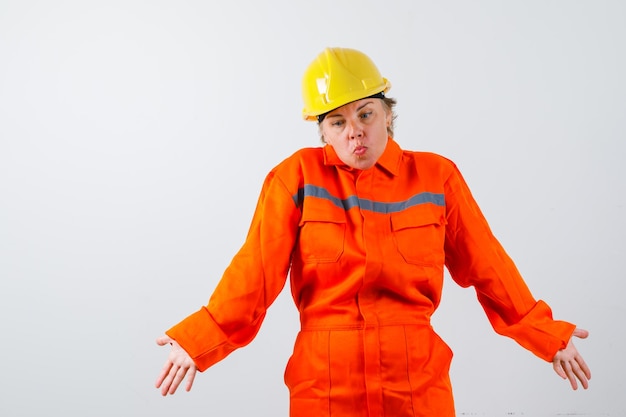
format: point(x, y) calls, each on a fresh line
point(365, 251)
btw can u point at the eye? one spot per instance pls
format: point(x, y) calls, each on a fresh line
point(337, 123)
point(366, 115)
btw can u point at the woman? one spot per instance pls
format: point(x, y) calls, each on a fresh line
point(364, 229)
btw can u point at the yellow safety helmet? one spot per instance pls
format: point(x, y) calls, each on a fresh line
point(339, 76)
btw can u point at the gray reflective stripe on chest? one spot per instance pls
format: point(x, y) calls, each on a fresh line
point(365, 204)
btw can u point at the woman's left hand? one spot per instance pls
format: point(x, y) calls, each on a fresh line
point(178, 365)
point(569, 364)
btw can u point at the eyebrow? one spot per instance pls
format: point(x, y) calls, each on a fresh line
point(358, 109)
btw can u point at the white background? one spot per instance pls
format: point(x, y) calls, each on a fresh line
point(135, 135)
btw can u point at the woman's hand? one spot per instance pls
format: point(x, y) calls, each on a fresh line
point(177, 365)
point(569, 364)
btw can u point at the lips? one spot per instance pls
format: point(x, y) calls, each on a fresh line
point(360, 150)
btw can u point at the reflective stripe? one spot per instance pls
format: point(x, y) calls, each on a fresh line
point(365, 204)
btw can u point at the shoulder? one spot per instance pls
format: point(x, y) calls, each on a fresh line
point(292, 170)
point(428, 157)
point(300, 158)
point(430, 161)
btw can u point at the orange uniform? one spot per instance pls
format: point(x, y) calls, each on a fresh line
point(365, 251)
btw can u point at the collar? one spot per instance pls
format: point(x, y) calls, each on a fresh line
point(389, 160)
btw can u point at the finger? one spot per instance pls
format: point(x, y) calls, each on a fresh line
point(583, 380)
point(178, 377)
point(571, 375)
point(578, 372)
point(190, 378)
point(556, 365)
point(582, 372)
point(164, 372)
point(169, 378)
point(166, 382)
point(583, 366)
point(166, 386)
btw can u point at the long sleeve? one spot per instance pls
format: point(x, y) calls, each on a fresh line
point(252, 281)
point(474, 257)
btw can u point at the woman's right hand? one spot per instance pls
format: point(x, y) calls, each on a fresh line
point(178, 365)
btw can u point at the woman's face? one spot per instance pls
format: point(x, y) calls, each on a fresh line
point(357, 132)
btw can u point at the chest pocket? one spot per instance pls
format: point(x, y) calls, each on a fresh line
point(419, 234)
point(322, 235)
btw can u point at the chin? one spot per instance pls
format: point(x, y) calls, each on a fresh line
point(363, 163)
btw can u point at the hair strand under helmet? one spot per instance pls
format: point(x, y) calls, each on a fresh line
point(339, 76)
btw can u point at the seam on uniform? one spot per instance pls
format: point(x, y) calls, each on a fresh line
point(408, 369)
point(360, 326)
point(330, 384)
point(284, 187)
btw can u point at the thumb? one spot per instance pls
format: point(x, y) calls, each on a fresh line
point(164, 340)
point(581, 333)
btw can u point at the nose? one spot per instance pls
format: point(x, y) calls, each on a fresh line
point(354, 129)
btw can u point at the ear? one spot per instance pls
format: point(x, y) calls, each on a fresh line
point(321, 133)
point(388, 117)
